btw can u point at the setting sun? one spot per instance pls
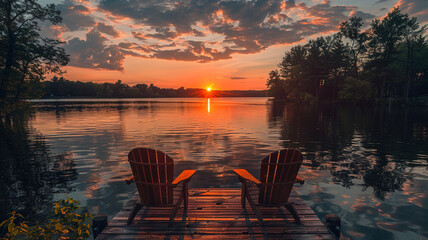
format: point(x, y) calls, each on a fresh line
point(209, 89)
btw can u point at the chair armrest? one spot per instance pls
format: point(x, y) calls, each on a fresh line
point(242, 173)
point(130, 180)
point(299, 180)
point(184, 176)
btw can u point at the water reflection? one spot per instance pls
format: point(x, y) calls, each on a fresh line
point(30, 174)
point(372, 154)
point(368, 165)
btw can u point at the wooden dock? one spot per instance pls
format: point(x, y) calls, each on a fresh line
point(216, 213)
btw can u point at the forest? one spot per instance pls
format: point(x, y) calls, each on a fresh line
point(59, 87)
point(385, 61)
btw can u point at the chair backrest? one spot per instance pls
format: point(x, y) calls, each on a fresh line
point(278, 172)
point(153, 172)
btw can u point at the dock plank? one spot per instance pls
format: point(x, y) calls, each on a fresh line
point(216, 214)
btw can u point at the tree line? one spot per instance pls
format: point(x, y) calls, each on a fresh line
point(388, 60)
point(59, 87)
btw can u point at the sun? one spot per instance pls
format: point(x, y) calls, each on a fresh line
point(209, 89)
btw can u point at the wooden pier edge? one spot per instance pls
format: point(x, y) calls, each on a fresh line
point(216, 213)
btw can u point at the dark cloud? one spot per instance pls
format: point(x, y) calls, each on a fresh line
point(181, 55)
point(290, 4)
point(198, 33)
point(75, 17)
point(94, 53)
point(250, 13)
point(138, 35)
point(195, 51)
point(415, 8)
point(327, 14)
point(243, 26)
point(180, 14)
point(381, 1)
point(107, 29)
point(363, 15)
point(238, 78)
point(164, 33)
point(126, 45)
point(159, 46)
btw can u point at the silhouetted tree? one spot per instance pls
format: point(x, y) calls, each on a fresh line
point(25, 56)
point(351, 30)
point(275, 85)
point(388, 60)
point(386, 35)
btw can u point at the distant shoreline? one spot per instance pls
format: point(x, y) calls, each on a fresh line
point(95, 99)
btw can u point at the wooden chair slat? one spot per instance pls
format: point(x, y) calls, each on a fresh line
point(278, 171)
point(140, 174)
point(154, 172)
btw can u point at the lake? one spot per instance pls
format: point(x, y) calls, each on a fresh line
point(368, 165)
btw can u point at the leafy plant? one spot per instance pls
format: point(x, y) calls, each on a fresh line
point(66, 223)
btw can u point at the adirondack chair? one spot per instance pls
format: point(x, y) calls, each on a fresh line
point(153, 173)
point(278, 173)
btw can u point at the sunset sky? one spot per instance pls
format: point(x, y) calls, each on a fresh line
point(196, 43)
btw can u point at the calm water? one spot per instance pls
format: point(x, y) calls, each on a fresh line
point(368, 165)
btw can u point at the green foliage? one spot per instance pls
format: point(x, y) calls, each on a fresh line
point(25, 56)
point(66, 223)
point(355, 90)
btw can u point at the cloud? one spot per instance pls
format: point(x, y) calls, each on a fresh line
point(182, 14)
point(163, 33)
point(363, 15)
point(249, 13)
point(246, 26)
point(74, 16)
point(195, 51)
point(194, 30)
point(327, 14)
point(237, 78)
point(108, 29)
point(381, 1)
point(138, 35)
point(415, 8)
point(94, 53)
point(290, 4)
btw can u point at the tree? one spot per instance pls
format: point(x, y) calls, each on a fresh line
point(388, 60)
point(275, 85)
point(293, 70)
point(414, 38)
point(386, 34)
point(351, 30)
point(26, 56)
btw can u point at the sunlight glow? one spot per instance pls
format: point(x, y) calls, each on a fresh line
point(209, 89)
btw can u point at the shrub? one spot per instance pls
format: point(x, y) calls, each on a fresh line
point(66, 223)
